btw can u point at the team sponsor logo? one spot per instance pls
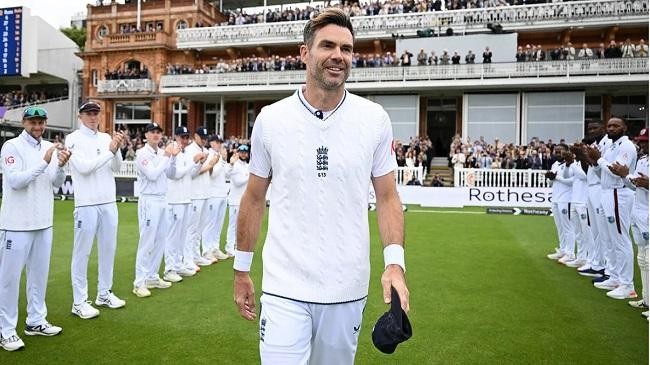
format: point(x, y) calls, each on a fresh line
point(611, 219)
point(9, 242)
point(262, 329)
point(10, 160)
point(322, 161)
point(78, 224)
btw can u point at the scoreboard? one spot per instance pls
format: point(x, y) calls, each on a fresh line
point(11, 27)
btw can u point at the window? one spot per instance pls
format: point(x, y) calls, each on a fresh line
point(634, 108)
point(179, 114)
point(102, 32)
point(250, 118)
point(211, 117)
point(133, 113)
point(94, 77)
point(182, 24)
point(593, 108)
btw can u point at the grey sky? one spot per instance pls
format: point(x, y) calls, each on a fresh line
point(57, 13)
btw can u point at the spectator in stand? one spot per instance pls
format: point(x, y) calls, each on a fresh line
point(455, 59)
point(571, 52)
point(585, 52)
point(405, 58)
point(628, 49)
point(485, 162)
point(422, 58)
point(600, 52)
point(458, 158)
point(539, 54)
point(433, 59)
point(534, 161)
point(641, 49)
point(470, 57)
point(613, 51)
point(520, 56)
point(444, 59)
point(521, 162)
point(437, 181)
point(487, 55)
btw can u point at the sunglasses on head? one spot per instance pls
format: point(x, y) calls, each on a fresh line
point(34, 112)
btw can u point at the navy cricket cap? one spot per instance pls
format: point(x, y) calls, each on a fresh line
point(182, 131)
point(152, 126)
point(89, 106)
point(392, 328)
point(215, 137)
point(202, 132)
point(243, 148)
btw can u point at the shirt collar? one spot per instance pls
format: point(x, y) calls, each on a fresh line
point(87, 131)
point(31, 140)
point(310, 107)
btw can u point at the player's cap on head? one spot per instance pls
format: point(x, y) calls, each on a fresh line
point(89, 106)
point(215, 138)
point(202, 132)
point(182, 131)
point(392, 328)
point(34, 112)
point(152, 126)
point(643, 135)
point(242, 148)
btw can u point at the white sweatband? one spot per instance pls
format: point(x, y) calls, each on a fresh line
point(243, 261)
point(394, 255)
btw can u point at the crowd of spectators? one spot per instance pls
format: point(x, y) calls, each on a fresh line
point(15, 98)
point(130, 73)
point(568, 52)
point(537, 155)
point(370, 8)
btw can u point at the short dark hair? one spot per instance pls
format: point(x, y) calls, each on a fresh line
point(619, 118)
point(326, 17)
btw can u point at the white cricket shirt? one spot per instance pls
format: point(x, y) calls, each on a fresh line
point(621, 151)
point(561, 190)
point(238, 174)
point(151, 165)
point(27, 182)
point(92, 165)
point(217, 186)
point(317, 245)
point(200, 182)
point(179, 178)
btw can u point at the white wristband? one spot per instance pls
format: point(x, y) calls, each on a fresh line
point(243, 261)
point(394, 255)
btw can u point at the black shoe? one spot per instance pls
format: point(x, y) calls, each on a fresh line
point(591, 272)
point(600, 279)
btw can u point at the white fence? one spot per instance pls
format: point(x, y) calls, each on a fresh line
point(500, 178)
point(402, 175)
point(576, 13)
point(567, 69)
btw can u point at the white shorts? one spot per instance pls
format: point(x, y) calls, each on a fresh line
point(293, 332)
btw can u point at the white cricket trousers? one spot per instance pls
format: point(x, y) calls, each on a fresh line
point(231, 236)
point(597, 225)
point(640, 234)
point(30, 249)
point(583, 237)
point(567, 237)
point(617, 207)
point(153, 235)
point(215, 215)
point(297, 333)
point(177, 215)
point(556, 219)
point(89, 222)
point(195, 224)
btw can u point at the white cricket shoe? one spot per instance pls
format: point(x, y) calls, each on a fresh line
point(638, 304)
point(584, 267)
point(622, 292)
point(158, 284)
point(609, 284)
point(645, 314)
point(12, 343)
point(202, 261)
point(172, 276)
point(45, 329)
point(141, 291)
point(220, 255)
point(566, 258)
point(556, 255)
point(84, 310)
point(575, 263)
point(109, 300)
point(186, 272)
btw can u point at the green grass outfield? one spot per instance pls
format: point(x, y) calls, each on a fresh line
point(482, 292)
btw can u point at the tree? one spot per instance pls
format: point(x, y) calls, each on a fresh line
point(77, 35)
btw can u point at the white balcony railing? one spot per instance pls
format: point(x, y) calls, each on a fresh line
point(500, 178)
point(126, 86)
point(402, 175)
point(568, 69)
point(602, 12)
